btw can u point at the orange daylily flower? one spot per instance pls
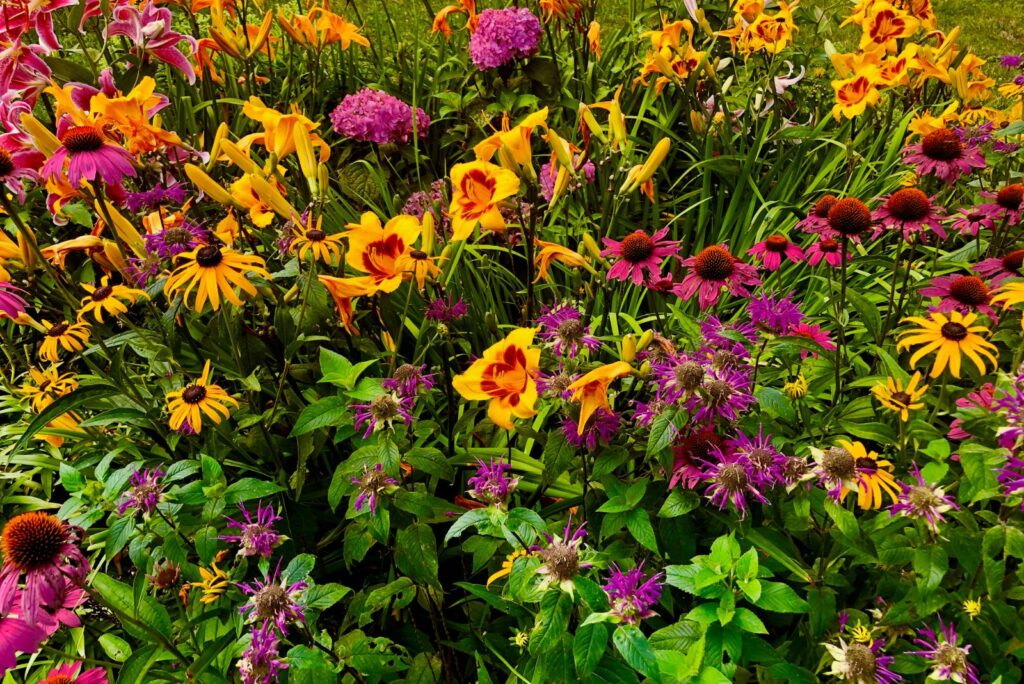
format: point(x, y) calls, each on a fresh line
point(279, 129)
point(552, 251)
point(467, 7)
point(506, 376)
point(885, 24)
point(343, 291)
point(133, 115)
point(512, 144)
point(477, 191)
point(384, 252)
point(853, 96)
point(592, 389)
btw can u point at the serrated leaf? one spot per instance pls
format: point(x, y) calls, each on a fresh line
point(589, 644)
point(634, 648)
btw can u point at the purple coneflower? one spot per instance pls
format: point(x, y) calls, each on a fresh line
point(18, 636)
point(923, 501)
point(963, 293)
point(942, 154)
point(947, 659)
point(273, 601)
point(774, 314)
point(998, 269)
point(816, 221)
point(693, 450)
point(381, 412)
point(711, 270)
point(774, 249)
point(255, 537)
point(261, 663)
point(970, 221)
point(909, 211)
point(600, 430)
point(984, 399)
point(69, 674)
point(1008, 205)
point(563, 329)
point(730, 480)
point(372, 484)
point(490, 484)
point(46, 551)
point(639, 256)
point(407, 380)
point(89, 157)
point(828, 250)
point(145, 492)
point(859, 663)
point(632, 593)
point(16, 167)
point(814, 333)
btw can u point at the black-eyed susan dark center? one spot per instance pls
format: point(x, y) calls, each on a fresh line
point(953, 331)
point(209, 256)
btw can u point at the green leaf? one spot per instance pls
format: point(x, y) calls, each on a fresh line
point(635, 650)
point(663, 433)
point(1014, 545)
point(726, 608)
point(639, 525)
point(552, 620)
point(309, 666)
point(588, 646)
point(298, 568)
point(846, 522)
point(866, 312)
point(466, 520)
point(139, 663)
point(326, 412)
point(339, 371)
point(416, 553)
point(248, 488)
point(120, 533)
point(323, 596)
point(776, 403)
point(773, 546)
point(558, 455)
point(116, 648)
point(930, 565)
point(69, 402)
point(430, 461)
point(678, 503)
point(748, 621)
point(780, 598)
point(121, 599)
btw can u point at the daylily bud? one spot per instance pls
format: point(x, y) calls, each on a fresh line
point(645, 339)
point(307, 160)
point(388, 340)
point(561, 183)
point(697, 121)
point(657, 156)
point(645, 369)
point(269, 193)
point(209, 186)
point(44, 141)
point(219, 137)
point(561, 150)
point(263, 35)
point(113, 255)
point(237, 156)
point(427, 227)
point(324, 178)
point(491, 321)
point(591, 245)
point(588, 118)
point(628, 348)
point(123, 227)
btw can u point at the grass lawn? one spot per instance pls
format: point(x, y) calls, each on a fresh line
point(990, 27)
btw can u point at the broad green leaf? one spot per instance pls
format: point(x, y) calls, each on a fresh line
point(588, 646)
point(634, 648)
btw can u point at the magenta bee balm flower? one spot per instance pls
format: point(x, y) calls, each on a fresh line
point(255, 537)
point(632, 594)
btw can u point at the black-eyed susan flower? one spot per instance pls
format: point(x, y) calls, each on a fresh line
point(952, 338)
point(899, 399)
point(851, 467)
point(506, 566)
point(311, 239)
point(43, 387)
point(192, 402)
point(1009, 295)
point(112, 299)
point(215, 582)
point(213, 273)
point(72, 337)
point(796, 388)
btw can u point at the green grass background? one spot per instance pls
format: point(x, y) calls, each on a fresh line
point(990, 27)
